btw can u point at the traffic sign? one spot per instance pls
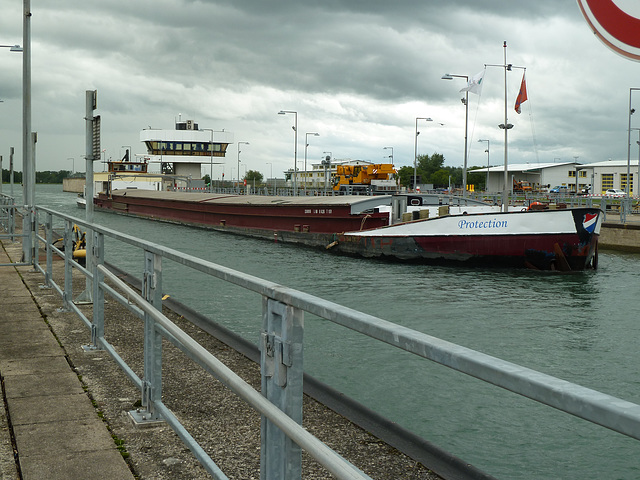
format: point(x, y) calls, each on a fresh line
point(618, 27)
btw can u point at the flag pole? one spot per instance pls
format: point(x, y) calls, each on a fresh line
point(505, 194)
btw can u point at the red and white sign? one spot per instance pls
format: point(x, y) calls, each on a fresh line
point(616, 23)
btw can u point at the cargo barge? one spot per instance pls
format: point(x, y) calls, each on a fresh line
point(366, 226)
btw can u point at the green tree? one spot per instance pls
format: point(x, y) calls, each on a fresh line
point(440, 179)
point(405, 175)
point(253, 175)
point(429, 164)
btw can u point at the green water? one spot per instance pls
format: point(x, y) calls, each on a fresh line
point(581, 327)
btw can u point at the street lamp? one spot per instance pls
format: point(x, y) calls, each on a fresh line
point(295, 146)
point(326, 163)
point(390, 156)
point(211, 160)
point(465, 100)
point(245, 143)
point(274, 183)
point(631, 112)
point(415, 151)
point(306, 144)
point(486, 187)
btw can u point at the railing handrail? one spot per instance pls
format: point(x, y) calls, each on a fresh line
point(596, 407)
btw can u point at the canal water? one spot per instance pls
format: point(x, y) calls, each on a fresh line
point(582, 327)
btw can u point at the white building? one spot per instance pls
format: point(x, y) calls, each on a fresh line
point(316, 176)
point(613, 174)
point(575, 176)
point(537, 174)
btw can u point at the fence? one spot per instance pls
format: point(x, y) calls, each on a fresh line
point(281, 341)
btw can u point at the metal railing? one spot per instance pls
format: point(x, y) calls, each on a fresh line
point(281, 342)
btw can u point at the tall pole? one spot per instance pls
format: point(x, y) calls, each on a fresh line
point(465, 100)
point(390, 156)
point(244, 143)
point(505, 192)
point(631, 112)
point(295, 147)
point(271, 174)
point(415, 150)
point(28, 163)
point(486, 186)
point(306, 144)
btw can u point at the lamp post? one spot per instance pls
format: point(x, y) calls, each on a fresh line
point(295, 146)
point(390, 156)
point(326, 162)
point(27, 185)
point(211, 160)
point(271, 174)
point(306, 144)
point(631, 112)
point(638, 143)
point(245, 143)
point(415, 150)
point(486, 187)
point(465, 100)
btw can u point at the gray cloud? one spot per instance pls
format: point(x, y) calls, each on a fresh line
point(358, 72)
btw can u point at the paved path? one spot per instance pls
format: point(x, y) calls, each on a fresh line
point(57, 432)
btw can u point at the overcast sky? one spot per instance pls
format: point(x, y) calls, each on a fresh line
point(357, 72)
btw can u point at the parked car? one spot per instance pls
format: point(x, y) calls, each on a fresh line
point(615, 193)
point(559, 189)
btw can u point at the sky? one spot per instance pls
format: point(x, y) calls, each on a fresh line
point(357, 72)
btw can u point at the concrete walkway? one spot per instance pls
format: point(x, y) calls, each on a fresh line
point(56, 431)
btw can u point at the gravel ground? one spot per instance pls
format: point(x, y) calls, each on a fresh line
point(227, 429)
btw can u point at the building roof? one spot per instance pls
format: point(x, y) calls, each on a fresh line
point(611, 163)
point(524, 167)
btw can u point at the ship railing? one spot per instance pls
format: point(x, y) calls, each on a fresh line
point(281, 347)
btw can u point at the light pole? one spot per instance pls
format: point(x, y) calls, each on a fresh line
point(486, 187)
point(465, 100)
point(415, 151)
point(638, 143)
point(27, 185)
point(306, 144)
point(73, 165)
point(295, 146)
point(245, 143)
point(390, 156)
point(631, 112)
point(274, 183)
point(211, 160)
point(326, 162)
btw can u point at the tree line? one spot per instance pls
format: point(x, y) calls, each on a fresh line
point(430, 169)
point(47, 176)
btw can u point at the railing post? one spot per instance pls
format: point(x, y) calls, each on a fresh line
point(281, 365)
point(34, 243)
point(97, 258)
point(48, 227)
point(67, 295)
point(152, 293)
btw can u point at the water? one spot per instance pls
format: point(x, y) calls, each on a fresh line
point(580, 327)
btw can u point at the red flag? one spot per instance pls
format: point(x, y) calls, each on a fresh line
point(522, 95)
